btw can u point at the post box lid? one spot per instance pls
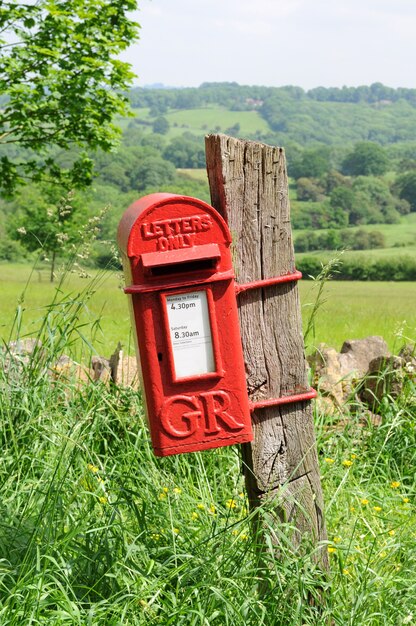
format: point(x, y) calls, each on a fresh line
point(163, 234)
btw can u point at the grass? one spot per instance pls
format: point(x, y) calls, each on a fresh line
point(354, 310)
point(105, 317)
point(96, 530)
point(199, 174)
point(351, 310)
point(204, 120)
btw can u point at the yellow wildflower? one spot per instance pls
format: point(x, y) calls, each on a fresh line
point(200, 506)
point(176, 531)
point(353, 456)
point(177, 490)
point(234, 532)
point(383, 554)
point(337, 540)
point(331, 549)
point(231, 504)
point(406, 500)
point(329, 460)
point(243, 537)
point(364, 501)
point(93, 468)
point(103, 500)
point(395, 484)
point(346, 571)
point(194, 515)
point(212, 509)
point(155, 536)
point(162, 495)
point(352, 509)
point(392, 533)
point(347, 463)
point(165, 489)
point(377, 509)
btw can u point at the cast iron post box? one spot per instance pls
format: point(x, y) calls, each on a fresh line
point(179, 276)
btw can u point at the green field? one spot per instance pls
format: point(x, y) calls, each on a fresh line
point(199, 174)
point(205, 120)
point(351, 309)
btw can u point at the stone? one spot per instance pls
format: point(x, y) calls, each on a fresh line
point(327, 376)
point(356, 355)
point(385, 376)
point(16, 355)
point(408, 354)
point(101, 369)
point(65, 369)
point(24, 347)
point(124, 369)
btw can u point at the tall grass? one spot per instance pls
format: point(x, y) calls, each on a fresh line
point(96, 530)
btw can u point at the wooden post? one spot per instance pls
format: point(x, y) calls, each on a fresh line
point(249, 188)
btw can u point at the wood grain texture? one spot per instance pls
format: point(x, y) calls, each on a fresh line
point(249, 188)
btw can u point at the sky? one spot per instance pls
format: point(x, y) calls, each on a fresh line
point(308, 43)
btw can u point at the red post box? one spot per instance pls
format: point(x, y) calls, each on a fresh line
point(179, 276)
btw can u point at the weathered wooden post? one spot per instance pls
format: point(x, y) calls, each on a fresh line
point(249, 188)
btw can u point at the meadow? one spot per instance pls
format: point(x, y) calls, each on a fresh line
point(349, 310)
point(204, 120)
point(96, 530)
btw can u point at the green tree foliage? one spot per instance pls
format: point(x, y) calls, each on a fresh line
point(311, 163)
point(336, 239)
point(135, 168)
point(42, 220)
point(64, 82)
point(397, 268)
point(185, 151)
point(160, 126)
point(233, 130)
point(406, 188)
point(309, 189)
point(333, 179)
point(378, 203)
point(367, 201)
point(366, 159)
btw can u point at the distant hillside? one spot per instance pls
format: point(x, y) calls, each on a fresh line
point(332, 116)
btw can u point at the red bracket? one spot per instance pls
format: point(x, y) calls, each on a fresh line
point(268, 282)
point(298, 397)
point(259, 284)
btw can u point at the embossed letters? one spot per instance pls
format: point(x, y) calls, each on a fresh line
point(181, 416)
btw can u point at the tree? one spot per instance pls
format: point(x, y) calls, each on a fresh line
point(160, 125)
point(366, 159)
point(64, 83)
point(308, 189)
point(43, 221)
point(186, 151)
point(381, 204)
point(406, 188)
point(311, 164)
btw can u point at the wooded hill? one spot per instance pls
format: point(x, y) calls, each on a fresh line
point(332, 116)
point(351, 157)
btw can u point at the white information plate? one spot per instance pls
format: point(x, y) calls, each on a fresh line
point(190, 333)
